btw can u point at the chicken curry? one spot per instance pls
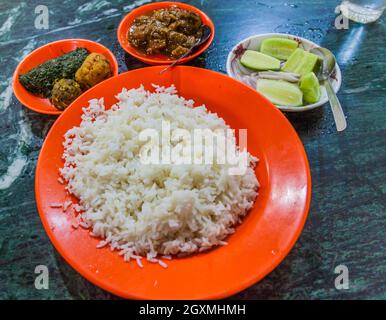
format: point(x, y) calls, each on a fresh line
point(170, 31)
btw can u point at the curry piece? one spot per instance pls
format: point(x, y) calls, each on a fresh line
point(94, 69)
point(170, 31)
point(64, 92)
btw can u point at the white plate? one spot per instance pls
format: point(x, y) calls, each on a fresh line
point(235, 69)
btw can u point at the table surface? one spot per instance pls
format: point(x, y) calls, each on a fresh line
point(346, 223)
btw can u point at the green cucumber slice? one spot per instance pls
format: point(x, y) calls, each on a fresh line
point(301, 62)
point(309, 84)
point(279, 92)
point(258, 61)
point(279, 48)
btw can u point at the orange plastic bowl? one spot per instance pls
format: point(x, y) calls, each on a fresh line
point(47, 52)
point(157, 59)
point(265, 236)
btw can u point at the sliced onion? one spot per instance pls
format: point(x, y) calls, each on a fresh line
point(278, 75)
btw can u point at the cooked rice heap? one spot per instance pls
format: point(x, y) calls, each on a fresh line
point(151, 210)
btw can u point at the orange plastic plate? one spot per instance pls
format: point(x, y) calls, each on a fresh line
point(259, 244)
point(157, 59)
point(47, 52)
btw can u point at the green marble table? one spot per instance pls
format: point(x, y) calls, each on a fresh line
point(346, 223)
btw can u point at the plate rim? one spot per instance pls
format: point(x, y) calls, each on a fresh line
point(225, 293)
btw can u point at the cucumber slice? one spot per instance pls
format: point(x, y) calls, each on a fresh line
point(309, 84)
point(279, 92)
point(301, 62)
point(259, 61)
point(294, 60)
point(279, 48)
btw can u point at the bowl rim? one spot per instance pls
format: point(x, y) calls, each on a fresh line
point(17, 87)
point(242, 285)
point(286, 35)
point(122, 32)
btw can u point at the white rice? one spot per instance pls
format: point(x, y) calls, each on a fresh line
point(139, 262)
point(56, 205)
point(149, 210)
point(66, 205)
point(75, 225)
point(162, 264)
